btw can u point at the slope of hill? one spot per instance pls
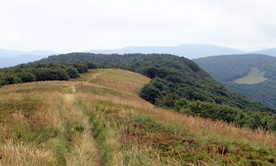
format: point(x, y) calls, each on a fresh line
point(179, 84)
point(187, 50)
point(99, 119)
point(178, 75)
point(11, 58)
point(236, 70)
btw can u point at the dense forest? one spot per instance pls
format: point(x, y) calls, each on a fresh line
point(226, 69)
point(177, 83)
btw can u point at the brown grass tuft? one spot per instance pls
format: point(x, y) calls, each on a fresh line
point(18, 153)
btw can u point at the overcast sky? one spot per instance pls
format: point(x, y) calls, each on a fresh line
point(79, 25)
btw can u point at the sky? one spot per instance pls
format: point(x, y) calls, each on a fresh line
point(79, 25)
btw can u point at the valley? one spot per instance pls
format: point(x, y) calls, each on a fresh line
point(252, 75)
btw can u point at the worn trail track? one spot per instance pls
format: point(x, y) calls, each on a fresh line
point(70, 102)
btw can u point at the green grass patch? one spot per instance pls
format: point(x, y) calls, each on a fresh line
point(97, 117)
point(255, 76)
point(60, 152)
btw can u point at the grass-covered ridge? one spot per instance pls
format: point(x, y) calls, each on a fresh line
point(180, 84)
point(177, 83)
point(94, 120)
point(172, 75)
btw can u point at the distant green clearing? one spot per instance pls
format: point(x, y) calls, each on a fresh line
point(255, 76)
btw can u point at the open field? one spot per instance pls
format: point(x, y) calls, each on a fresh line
point(99, 119)
point(255, 76)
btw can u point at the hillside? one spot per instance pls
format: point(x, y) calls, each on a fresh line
point(178, 75)
point(187, 50)
point(252, 75)
point(99, 119)
point(179, 84)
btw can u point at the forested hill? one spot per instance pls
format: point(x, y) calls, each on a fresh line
point(173, 77)
point(253, 75)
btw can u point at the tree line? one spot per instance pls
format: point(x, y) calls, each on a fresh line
point(44, 72)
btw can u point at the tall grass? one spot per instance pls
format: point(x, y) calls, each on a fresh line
point(19, 153)
point(43, 127)
point(100, 120)
point(30, 123)
point(216, 142)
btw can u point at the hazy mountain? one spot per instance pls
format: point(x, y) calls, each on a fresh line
point(13, 61)
point(12, 53)
point(270, 51)
point(11, 58)
point(253, 75)
point(190, 51)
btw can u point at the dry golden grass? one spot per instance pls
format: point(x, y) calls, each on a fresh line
point(45, 126)
point(123, 81)
point(49, 114)
point(201, 127)
point(37, 134)
point(118, 79)
point(25, 119)
point(18, 153)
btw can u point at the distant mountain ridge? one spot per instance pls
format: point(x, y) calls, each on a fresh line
point(190, 51)
point(10, 58)
point(13, 53)
point(270, 51)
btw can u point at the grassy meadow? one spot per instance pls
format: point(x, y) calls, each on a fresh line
point(99, 119)
point(255, 76)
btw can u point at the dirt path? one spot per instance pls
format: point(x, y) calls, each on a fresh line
point(88, 151)
point(94, 76)
point(74, 89)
